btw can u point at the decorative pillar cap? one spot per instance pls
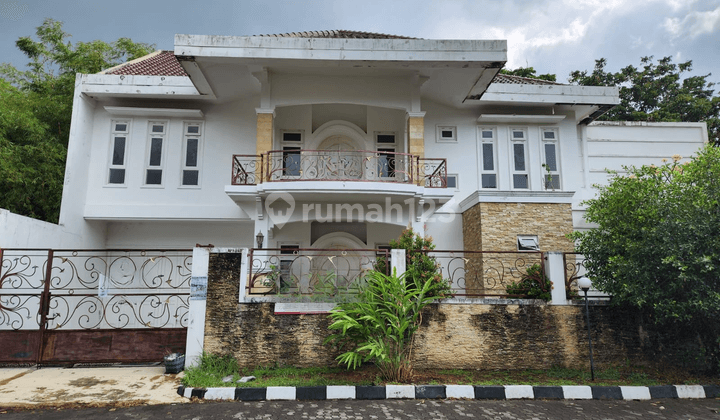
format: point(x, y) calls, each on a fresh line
point(265, 111)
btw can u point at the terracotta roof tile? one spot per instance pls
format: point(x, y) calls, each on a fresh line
point(337, 34)
point(159, 63)
point(517, 80)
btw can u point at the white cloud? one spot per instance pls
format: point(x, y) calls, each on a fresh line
point(694, 24)
point(677, 5)
point(544, 24)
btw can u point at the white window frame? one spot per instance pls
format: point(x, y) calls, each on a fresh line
point(111, 166)
point(385, 144)
point(556, 142)
point(292, 146)
point(513, 171)
point(198, 164)
point(292, 142)
point(439, 137)
point(457, 181)
point(386, 148)
point(493, 141)
point(163, 152)
point(528, 243)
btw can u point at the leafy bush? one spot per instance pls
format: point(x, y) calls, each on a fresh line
point(380, 325)
point(657, 245)
point(419, 266)
point(534, 284)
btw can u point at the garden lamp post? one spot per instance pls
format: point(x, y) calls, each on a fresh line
point(584, 283)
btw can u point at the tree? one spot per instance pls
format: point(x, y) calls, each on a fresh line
point(31, 173)
point(529, 72)
point(657, 91)
point(35, 114)
point(657, 244)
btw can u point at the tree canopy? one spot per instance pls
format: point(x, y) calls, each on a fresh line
point(657, 91)
point(657, 243)
point(530, 73)
point(35, 114)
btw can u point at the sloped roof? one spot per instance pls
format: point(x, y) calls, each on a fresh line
point(164, 63)
point(517, 80)
point(158, 63)
point(337, 34)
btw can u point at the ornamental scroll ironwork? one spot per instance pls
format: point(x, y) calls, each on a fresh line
point(22, 278)
point(96, 289)
point(340, 165)
point(433, 172)
point(575, 267)
point(483, 273)
point(247, 169)
point(322, 274)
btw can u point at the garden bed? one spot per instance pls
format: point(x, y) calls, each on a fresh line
point(213, 369)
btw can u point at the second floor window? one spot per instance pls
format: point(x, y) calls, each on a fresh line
point(518, 144)
point(551, 167)
point(154, 160)
point(488, 170)
point(191, 154)
point(118, 148)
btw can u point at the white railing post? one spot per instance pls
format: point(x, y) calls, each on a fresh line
point(196, 306)
point(245, 274)
point(397, 261)
point(555, 270)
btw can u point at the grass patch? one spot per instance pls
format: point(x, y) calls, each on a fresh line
point(213, 369)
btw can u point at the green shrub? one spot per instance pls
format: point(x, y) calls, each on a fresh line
point(534, 284)
point(380, 325)
point(419, 265)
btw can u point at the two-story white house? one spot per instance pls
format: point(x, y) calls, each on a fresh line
point(335, 139)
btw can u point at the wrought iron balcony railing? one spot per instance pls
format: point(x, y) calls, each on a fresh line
point(338, 165)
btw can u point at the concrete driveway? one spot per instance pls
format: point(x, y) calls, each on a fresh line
point(88, 386)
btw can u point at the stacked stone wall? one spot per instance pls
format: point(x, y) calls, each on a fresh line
point(463, 336)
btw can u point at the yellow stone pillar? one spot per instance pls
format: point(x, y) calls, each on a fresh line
point(264, 138)
point(416, 138)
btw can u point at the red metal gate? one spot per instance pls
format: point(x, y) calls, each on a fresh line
point(92, 306)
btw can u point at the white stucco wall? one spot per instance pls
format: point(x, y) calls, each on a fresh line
point(611, 145)
point(227, 129)
point(23, 232)
point(95, 214)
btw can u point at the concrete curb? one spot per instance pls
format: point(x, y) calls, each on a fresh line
point(477, 392)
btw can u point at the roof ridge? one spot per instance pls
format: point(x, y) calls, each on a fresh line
point(336, 33)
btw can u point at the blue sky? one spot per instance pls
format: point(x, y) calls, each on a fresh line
point(553, 36)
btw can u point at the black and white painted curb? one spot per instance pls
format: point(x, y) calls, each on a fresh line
point(507, 392)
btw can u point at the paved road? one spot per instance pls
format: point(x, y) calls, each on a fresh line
point(400, 409)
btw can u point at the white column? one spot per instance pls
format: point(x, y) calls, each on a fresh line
point(196, 306)
point(244, 275)
point(555, 270)
point(397, 261)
